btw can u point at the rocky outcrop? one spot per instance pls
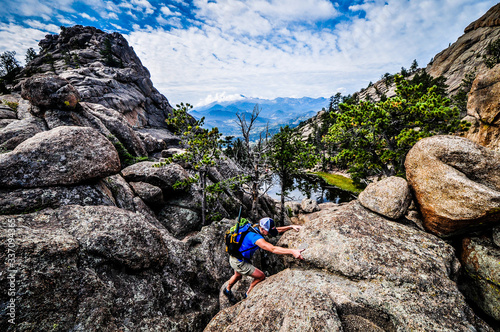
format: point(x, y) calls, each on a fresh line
point(490, 19)
point(466, 54)
point(13, 201)
point(104, 70)
point(483, 109)
point(18, 131)
point(355, 262)
point(61, 156)
point(456, 184)
point(390, 197)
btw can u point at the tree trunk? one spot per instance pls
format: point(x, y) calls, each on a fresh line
point(255, 194)
point(204, 196)
point(282, 217)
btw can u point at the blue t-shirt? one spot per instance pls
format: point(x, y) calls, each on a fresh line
point(248, 247)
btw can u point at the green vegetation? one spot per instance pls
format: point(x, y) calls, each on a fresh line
point(289, 156)
point(11, 104)
point(107, 53)
point(9, 68)
point(339, 181)
point(492, 56)
point(461, 97)
point(374, 138)
point(126, 159)
point(203, 147)
point(30, 55)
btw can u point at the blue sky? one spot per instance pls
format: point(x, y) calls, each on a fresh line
point(199, 51)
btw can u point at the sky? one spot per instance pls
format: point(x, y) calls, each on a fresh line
point(201, 51)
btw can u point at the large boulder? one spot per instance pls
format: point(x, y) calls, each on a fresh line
point(360, 272)
point(309, 206)
point(483, 109)
point(456, 183)
point(50, 91)
point(164, 177)
point(61, 156)
point(116, 123)
point(390, 197)
point(148, 193)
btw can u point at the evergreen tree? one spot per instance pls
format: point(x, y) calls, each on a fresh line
point(289, 156)
point(492, 56)
point(30, 55)
point(414, 66)
point(203, 147)
point(373, 138)
point(9, 66)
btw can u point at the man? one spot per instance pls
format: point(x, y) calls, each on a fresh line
point(253, 241)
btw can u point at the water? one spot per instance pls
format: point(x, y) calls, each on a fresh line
point(310, 186)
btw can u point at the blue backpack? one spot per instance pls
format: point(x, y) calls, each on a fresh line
point(241, 229)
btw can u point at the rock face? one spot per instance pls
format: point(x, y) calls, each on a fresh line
point(94, 227)
point(100, 268)
point(481, 261)
point(355, 264)
point(105, 70)
point(483, 109)
point(390, 197)
point(456, 184)
point(50, 91)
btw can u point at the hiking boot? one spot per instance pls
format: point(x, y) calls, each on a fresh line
point(230, 296)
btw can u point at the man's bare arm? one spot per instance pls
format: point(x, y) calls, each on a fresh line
point(297, 253)
point(283, 229)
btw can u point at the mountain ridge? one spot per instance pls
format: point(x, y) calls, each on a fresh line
point(276, 112)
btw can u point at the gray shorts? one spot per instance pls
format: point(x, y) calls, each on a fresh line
point(243, 267)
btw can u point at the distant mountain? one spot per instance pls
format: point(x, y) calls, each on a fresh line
point(277, 113)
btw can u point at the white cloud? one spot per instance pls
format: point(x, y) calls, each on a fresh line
point(64, 20)
point(111, 15)
point(87, 16)
point(42, 26)
point(260, 17)
point(24, 37)
point(168, 12)
point(220, 97)
point(117, 27)
point(228, 56)
point(143, 5)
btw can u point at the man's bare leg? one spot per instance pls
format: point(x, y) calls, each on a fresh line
point(234, 279)
point(257, 276)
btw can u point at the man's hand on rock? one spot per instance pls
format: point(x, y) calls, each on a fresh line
point(297, 253)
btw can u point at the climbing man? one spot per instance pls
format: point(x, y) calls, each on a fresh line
point(254, 240)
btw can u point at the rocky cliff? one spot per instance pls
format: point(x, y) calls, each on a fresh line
point(92, 236)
